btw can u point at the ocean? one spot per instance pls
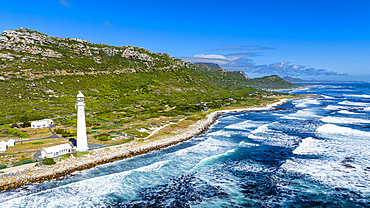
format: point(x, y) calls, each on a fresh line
point(312, 152)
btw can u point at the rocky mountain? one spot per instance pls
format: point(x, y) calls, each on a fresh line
point(294, 80)
point(210, 65)
point(28, 52)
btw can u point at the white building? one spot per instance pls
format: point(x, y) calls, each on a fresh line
point(56, 151)
point(81, 139)
point(10, 142)
point(41, 124)
point(3, 146)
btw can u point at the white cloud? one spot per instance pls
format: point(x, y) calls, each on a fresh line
point(65, 3)
point(106, 23)
point(224, 60)
point(211, 56)
point(242, 62)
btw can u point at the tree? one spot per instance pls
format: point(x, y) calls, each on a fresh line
point(48, 161)
point(26, 124)
point(15, 125)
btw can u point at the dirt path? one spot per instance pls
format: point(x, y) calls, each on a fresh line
point(18, 168)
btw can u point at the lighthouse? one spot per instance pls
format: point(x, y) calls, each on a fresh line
point(81, 124)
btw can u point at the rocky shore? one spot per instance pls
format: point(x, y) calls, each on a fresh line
point(114, 153)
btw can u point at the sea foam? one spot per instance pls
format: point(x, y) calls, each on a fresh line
point(359, 96)
point(348, 112)
point(246, 125)
point(353, 103)
point(305, 102)
point(332, 131)
point(342, 120)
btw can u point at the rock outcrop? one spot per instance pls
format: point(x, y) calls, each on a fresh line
point(130, 53)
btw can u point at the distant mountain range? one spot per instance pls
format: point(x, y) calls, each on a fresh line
point(298, 80)
point(210, 65)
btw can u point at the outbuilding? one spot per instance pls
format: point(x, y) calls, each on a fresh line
point(56, 151)
point(10, 142)
point(41, 124)
point(3, 146)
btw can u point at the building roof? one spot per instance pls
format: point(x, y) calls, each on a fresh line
point(42, 121)
point(57, 148)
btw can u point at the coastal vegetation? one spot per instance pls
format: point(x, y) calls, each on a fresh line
point(48, 161)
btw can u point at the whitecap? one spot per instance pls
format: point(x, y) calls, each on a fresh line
point(275, 138)
point(252, 136)
point(348, 112)
point(341, 120)
point(246, 125)
point(331, 173)
point(305, 102)
point(360, 96)
point(328, 97)
point(305, 146)
point(206, 160)
point(247, 144)
point(219, 133)
point(312, 146)
point(334, 107)
point(261, 129)
point(342, 163)
point(304, 114)
point(332, 131)
point(354, 103)
point(209, 145)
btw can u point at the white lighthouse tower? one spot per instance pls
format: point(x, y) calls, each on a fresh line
point(81, 124)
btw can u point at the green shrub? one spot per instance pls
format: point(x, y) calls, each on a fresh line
point(15, 125)
point(26, 124)
point(80, 154)
point(103, 139)
point(48, 161)
point(3, 167)
point(66, 156)
point(59, 131)
point(69, 134)
point(23, 162)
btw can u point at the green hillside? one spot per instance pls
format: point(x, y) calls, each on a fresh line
point(41, 76)
point(270, 82)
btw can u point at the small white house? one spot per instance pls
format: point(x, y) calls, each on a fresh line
point(10, 142)
point(41, 124)
point(56, 151)
point(3, 146)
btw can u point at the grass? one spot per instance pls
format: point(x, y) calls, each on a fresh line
point(80, 154)
point(37, 143)
point(138, 134)
point(24, 151)
point(7, 131)
point(66, 156)
point(30, 145)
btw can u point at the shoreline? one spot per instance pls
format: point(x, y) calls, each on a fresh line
point(119, 152)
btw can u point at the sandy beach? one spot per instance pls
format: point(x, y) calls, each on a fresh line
point(18, 176)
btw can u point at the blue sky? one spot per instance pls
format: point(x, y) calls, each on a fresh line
point(323, 39)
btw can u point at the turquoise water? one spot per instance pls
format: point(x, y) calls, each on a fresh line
point(308, 153)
